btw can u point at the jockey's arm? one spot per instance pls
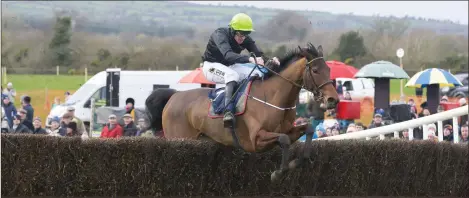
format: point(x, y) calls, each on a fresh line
point(222, 41)
point(251, 46)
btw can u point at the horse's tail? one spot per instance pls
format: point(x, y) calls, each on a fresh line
point(154, 106)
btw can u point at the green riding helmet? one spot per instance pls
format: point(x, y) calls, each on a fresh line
point(241, 22)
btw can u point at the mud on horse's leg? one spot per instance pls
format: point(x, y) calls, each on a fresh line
point(307, 148)
point(266, 138)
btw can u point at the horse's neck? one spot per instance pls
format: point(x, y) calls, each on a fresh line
point(280, 92)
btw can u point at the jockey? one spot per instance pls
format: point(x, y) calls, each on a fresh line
point(223, 63)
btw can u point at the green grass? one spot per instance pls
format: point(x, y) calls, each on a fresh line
point(395, 88)
point(38, 82)
point(65, 82)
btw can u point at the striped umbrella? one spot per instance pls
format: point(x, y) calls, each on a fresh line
point(433, 76)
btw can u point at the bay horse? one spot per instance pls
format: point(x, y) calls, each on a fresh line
point(269, 112)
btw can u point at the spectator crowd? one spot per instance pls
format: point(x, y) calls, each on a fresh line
point(315, 114)
point(22, 120)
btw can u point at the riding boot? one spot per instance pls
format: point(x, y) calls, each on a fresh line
point(228, 117)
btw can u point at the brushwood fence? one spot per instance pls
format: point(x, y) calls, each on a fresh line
point(57, 166)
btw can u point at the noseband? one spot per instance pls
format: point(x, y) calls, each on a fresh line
point(318, 94)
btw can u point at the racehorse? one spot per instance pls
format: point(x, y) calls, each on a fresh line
point(269, 109)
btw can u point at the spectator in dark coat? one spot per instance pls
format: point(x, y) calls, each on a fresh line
point(419, 92)
point(71, 129)
point(18, 127)
point(130, 107)
point(29, 109)
point(66, 119)
point(339, 88)
point(448, 133)
point(24, 121)
point(413, 112)
point(81, 128)
point(464, 134)
point(10, 110)
point(404, 134)
point(359, 126)
point(38, 127)
point(377, 121)
point(129, 126)
point(423, 106)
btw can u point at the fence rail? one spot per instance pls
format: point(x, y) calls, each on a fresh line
point(410, 124)
point(51, 71)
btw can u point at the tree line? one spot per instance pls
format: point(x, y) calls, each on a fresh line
point(62, 45)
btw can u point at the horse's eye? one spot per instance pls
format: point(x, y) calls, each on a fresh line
point(315, 70)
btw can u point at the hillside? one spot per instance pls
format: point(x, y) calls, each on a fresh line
point(156, 17)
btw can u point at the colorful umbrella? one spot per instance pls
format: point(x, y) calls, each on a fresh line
point(341, 70)
point(196, 76)
point(433, 76)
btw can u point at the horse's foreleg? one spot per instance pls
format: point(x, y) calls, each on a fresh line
point(266, 138)
point(297, 132)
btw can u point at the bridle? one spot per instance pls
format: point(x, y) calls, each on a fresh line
point(318, 94)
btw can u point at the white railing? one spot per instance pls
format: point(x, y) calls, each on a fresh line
point(410, 124)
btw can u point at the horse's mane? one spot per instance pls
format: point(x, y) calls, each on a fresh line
point(290, 56)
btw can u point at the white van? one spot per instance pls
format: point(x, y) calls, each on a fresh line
point(358, 88)
point(115, 86)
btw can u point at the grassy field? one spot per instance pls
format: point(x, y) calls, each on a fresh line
point(35, 86)
point(41, 82)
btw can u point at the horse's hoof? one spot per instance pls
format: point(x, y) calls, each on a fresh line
point(295, 164)
point(276, 176)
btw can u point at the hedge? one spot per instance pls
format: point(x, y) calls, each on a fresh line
point(53, 166)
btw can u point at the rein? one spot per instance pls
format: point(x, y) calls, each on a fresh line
point(318, 95)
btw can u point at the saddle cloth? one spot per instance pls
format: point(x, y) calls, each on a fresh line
point(217, 99)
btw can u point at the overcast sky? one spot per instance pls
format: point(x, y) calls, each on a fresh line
point(451, 10)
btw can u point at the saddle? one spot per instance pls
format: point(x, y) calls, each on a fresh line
point(216, 106)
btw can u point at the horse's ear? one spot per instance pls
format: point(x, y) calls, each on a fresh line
point(303, 52)
point(301, 49)
point(311, 48)
point(320, 50)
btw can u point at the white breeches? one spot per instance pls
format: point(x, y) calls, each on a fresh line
point(221, 74)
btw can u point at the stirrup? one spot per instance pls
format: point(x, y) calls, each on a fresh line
point(228, 120)
point(228, 116)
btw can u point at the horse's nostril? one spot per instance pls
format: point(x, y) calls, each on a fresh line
point(332, 100)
